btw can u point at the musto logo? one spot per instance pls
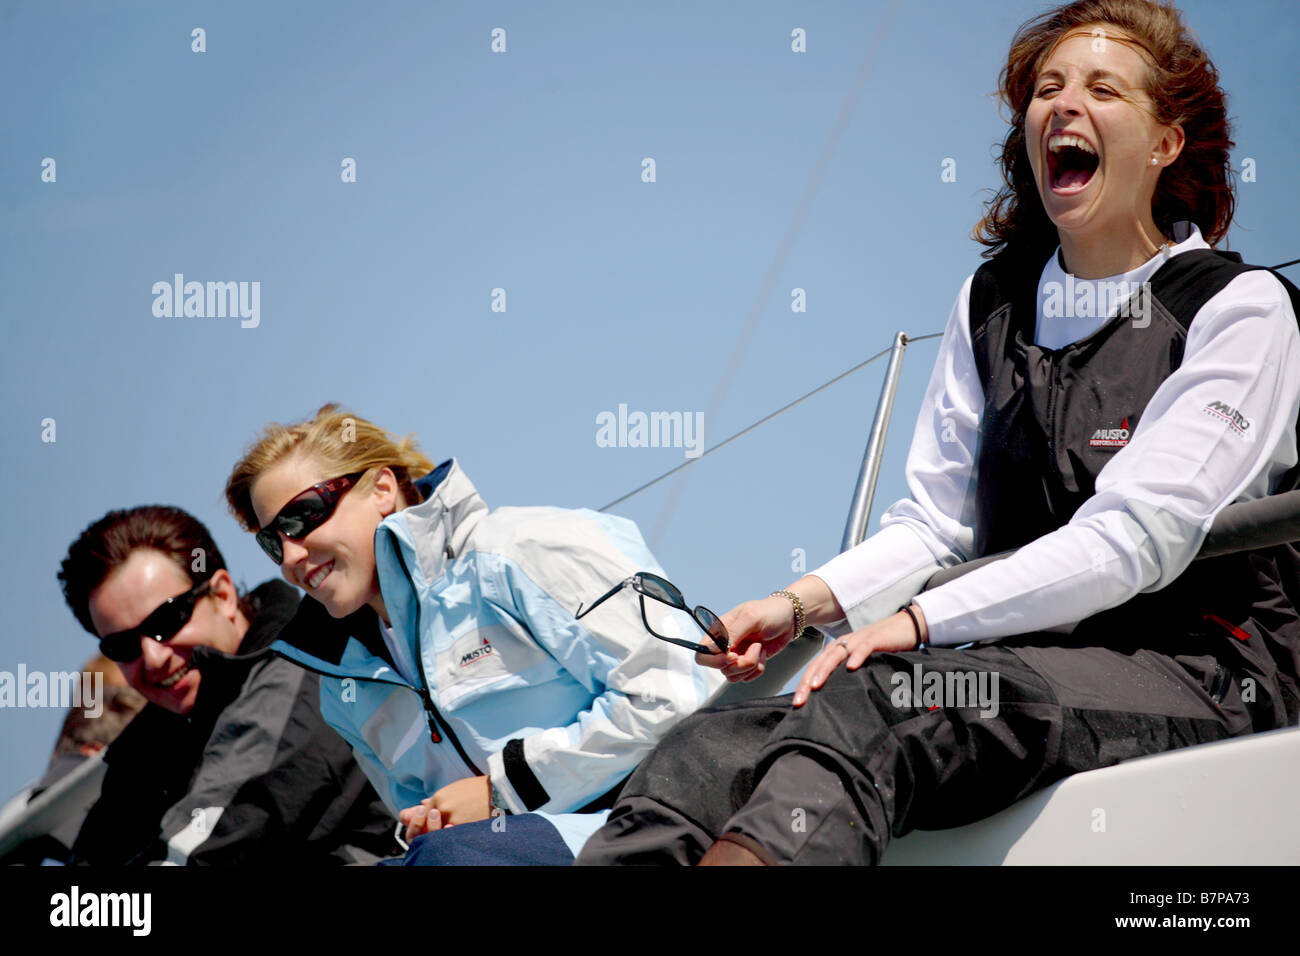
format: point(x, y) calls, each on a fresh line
point(1239, 422)
point(1110, 437)
point(477, 654)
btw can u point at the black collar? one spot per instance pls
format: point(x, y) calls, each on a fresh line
point(269, 607)
point(314, 632)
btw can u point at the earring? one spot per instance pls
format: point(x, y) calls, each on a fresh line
point(1154, 161)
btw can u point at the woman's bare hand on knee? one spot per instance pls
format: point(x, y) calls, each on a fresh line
point(894, 633)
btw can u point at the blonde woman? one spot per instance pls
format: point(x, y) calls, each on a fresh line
point(446, 637)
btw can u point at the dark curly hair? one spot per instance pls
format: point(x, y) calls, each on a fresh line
point(1183, 86)
point(112, 539)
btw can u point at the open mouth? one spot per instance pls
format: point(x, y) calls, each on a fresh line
point(1071, 163)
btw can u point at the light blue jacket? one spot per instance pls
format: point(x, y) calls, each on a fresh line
point(556, 711)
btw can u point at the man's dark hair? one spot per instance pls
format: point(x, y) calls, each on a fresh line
point(107, 543)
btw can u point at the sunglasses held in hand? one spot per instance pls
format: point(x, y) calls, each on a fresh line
point(653, 586)
point(304, 513)
point(162, 625)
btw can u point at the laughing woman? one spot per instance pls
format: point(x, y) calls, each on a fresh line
point(451, 657)
point(1101, 445)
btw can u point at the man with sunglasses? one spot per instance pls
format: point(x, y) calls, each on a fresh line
point(230, 761)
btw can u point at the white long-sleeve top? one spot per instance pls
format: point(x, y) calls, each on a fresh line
point(1154, 501)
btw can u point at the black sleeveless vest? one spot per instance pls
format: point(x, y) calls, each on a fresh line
point(1052, 419)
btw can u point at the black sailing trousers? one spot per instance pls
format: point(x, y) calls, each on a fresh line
point(870, 756)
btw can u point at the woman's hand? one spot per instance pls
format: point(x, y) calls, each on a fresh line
point(420, 819)
point(758, 630)
point(461, 802)
point(894, 633)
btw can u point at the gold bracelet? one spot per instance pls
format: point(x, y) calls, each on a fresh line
point(798, 610)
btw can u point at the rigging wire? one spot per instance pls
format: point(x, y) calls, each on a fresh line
point(802, 208)
point(766, 418)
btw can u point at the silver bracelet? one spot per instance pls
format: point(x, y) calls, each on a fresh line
point(798, 610)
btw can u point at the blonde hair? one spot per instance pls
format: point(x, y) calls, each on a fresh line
point(343, 442)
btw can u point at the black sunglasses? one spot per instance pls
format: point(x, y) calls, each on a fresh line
point(162, 625)
point(304, 513)
point(652, 585)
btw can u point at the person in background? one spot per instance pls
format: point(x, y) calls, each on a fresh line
point(81, 737)
point(84, 736)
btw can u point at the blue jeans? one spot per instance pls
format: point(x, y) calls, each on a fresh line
point(523, 839)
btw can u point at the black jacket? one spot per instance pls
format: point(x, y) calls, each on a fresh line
point(251, 775)
point(1037, 465)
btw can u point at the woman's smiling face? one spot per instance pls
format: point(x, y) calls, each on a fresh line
point(1090, 133)
point(335, 563)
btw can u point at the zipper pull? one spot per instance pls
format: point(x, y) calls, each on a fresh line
point(1232, 629)
point(429, 714)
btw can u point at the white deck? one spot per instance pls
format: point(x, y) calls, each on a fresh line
point(1229, 802)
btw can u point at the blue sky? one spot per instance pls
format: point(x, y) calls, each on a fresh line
point(521, 171)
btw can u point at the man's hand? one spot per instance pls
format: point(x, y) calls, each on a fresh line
point(461, 802)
